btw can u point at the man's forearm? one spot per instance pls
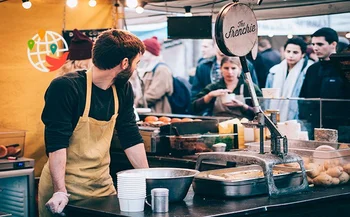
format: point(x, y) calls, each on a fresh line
point(137, 156)
point(57, 164)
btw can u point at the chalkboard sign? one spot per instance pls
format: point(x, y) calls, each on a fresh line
point(91, 33)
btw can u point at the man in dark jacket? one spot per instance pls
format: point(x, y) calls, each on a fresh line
point(267, 57)
point(323, 80)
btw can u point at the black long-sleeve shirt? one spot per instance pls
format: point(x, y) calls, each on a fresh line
point(65, 102)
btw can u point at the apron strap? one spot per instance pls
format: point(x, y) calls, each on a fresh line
point(116, 100)
point(88, 92)
point(88, 95)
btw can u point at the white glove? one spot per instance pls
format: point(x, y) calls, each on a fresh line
point(57, 203)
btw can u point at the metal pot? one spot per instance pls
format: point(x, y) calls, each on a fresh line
point(177, 180)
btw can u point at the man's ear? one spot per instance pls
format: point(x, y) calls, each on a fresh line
point(125, 63)
point(334, 44)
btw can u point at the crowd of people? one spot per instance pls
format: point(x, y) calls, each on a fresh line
point(92, 96)
point(302, 70)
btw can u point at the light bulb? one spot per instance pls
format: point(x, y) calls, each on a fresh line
point(131, 3)
point(27, 5)
point(139, 9)
point(188, 11)
point(92, 3)
point(72, 3)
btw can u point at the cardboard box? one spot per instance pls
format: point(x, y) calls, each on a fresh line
point(9, 137)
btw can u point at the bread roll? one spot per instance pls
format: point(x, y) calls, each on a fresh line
point(165, 120)
point(174, 120)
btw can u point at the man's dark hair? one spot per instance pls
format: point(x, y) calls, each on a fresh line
point(297, 41)
point(264, 42)
point(112, 46)
point(329, 34)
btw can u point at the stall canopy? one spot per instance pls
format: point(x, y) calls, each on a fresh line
point(158, 10)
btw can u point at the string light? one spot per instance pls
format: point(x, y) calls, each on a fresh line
point(131, 3)
point(140, 8)
point(92, 3)
point(26, 4)
point(72, 3)
point(188, 11)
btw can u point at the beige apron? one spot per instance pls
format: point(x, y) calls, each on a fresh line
point(221, 110)
point(88, 159)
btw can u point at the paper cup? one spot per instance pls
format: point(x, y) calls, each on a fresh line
point(227, 97)
point(131, 205)
point(271, 92)
point(303, 135)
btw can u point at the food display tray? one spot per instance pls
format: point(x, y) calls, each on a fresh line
point(209, 183)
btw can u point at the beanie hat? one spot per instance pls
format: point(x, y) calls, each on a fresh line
point(80, 46)
point(152, 45)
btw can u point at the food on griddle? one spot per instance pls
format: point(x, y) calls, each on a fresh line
point(164, 119)
point(151, 119)
point(243, 175)
point(174, 120)
point(187, 120)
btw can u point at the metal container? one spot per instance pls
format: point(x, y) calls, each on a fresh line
point(177, 180)
point(160, 199)
point(209, 183)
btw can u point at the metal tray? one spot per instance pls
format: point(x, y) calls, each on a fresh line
point(209, 186)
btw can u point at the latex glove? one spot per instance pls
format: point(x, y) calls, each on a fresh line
point(57, 203)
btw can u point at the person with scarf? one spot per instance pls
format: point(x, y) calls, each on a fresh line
point(289, 76)
point(231, 82)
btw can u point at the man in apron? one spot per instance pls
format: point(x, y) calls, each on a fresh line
point(80, 114)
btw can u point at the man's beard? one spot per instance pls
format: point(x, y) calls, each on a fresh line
point(123, 76)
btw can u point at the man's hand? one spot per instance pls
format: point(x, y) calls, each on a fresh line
point(57, 203)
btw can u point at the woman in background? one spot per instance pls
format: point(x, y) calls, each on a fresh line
point(289, 77)
point(210, 97)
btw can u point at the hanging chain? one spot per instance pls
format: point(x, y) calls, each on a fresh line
point(64, 17)
point(114, 14)
point(212, 7)
point(166, 7)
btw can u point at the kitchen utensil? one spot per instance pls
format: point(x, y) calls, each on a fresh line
point(177, 180)
point(246, 186)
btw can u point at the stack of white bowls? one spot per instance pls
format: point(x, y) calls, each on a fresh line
point(131, 189)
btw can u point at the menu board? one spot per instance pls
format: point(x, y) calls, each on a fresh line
point(91, 33)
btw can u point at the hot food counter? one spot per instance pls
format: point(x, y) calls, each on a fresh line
point(317, 202)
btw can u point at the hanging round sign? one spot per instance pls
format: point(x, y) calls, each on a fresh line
point(236, 29)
